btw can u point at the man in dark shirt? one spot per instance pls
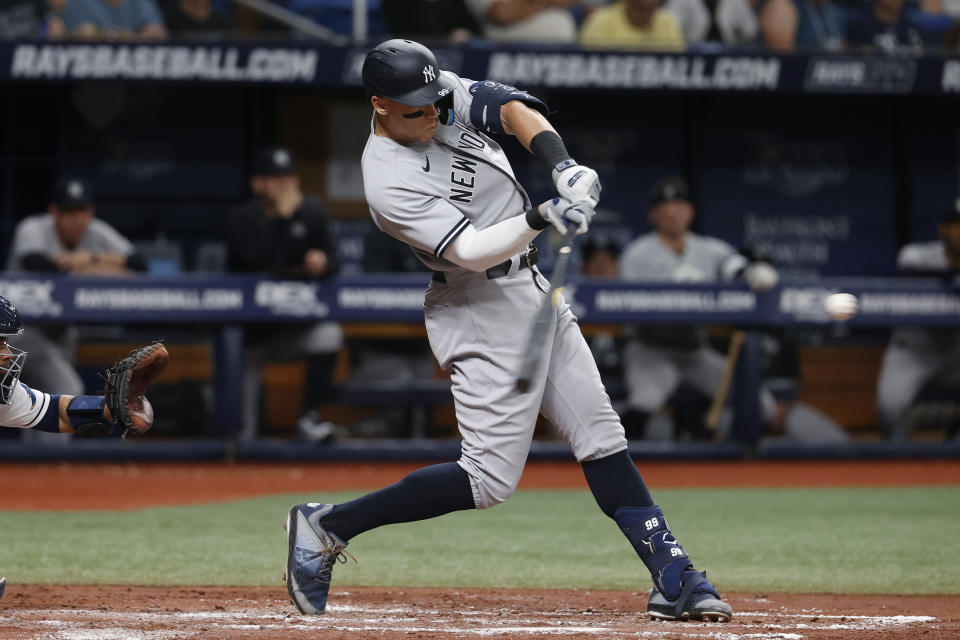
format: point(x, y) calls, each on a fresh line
point(283, 233)
point(195, 19)
point(884, 27)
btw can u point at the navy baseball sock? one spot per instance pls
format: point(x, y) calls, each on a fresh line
point(425, 493)
point(616, 483)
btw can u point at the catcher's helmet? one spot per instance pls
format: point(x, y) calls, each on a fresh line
point(405, 71)
point(10, 323)
point(11, 363)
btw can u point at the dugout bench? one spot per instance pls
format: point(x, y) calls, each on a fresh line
point(229, 304)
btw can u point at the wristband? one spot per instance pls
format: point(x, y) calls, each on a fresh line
point(535, 220)
point(548, 147)
point(86, 416)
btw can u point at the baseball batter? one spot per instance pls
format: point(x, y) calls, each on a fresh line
point(916, 356)
point(435, 179)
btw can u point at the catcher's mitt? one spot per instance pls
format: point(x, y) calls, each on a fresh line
point(127, 382)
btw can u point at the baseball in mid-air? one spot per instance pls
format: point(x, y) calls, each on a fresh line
point(841, 306)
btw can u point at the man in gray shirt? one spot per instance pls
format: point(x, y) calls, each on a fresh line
point(66, 239)
point(917, 356)
point(659, 357)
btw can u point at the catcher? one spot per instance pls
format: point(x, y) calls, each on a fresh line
point(122, 404)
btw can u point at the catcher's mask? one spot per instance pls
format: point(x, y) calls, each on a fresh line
point(11, 364)
point(11, 358)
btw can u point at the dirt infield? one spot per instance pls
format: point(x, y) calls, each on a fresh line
point(54, 612)
point(106, 486)
point(122, 613)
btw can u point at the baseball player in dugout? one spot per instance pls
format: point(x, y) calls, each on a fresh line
point(436, 179)
point(658, 359)
point(68, 239)
point(918, 356)
point(284, 233)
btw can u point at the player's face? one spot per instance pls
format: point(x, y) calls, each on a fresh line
point(601, 264)
point(672, 217)
point(5, 353)
point(274, 188)
point(404, 123)
point(71, 226)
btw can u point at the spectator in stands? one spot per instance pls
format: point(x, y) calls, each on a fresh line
point(113, 20)
point(195, 19)
point(430, 20)
point(632, 24)
point(20, 19)
point(67, 239)
point(885, 27)
point(526, 20)
point(729, 22)
point(802, 25)
point(283, 233)
point(54, 26)
point(658, 358)
point(915, 356)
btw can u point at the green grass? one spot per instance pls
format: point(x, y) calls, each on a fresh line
point(902, 540)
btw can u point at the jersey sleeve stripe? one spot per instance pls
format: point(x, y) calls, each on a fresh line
point(450, 237)
point(41, 411)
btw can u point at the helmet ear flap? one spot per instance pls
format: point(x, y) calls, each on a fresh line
point(445, 109)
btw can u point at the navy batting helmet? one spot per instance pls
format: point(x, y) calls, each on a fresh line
point(11, 363)
point(405, 71)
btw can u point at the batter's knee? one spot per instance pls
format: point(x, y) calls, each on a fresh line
point(489, 489)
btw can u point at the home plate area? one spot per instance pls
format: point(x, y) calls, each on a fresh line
point(156, 613)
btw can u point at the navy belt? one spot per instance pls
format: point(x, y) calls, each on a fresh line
point(527, 260)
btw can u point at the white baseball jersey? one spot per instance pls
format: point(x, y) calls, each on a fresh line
point(426, 195)
point(26, 408)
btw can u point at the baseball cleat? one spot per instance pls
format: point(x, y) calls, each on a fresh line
point(698, 600)
point(311, 554)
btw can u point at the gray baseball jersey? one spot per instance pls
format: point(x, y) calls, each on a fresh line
point(704, 259)
point(915, 356)
point(425, 195)
point(36, 234)
point(660, 358)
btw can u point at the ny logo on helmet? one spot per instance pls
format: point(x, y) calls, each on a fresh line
point(428, 74)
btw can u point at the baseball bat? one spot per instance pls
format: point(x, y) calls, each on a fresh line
point(541, 324)
point(723, 389)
